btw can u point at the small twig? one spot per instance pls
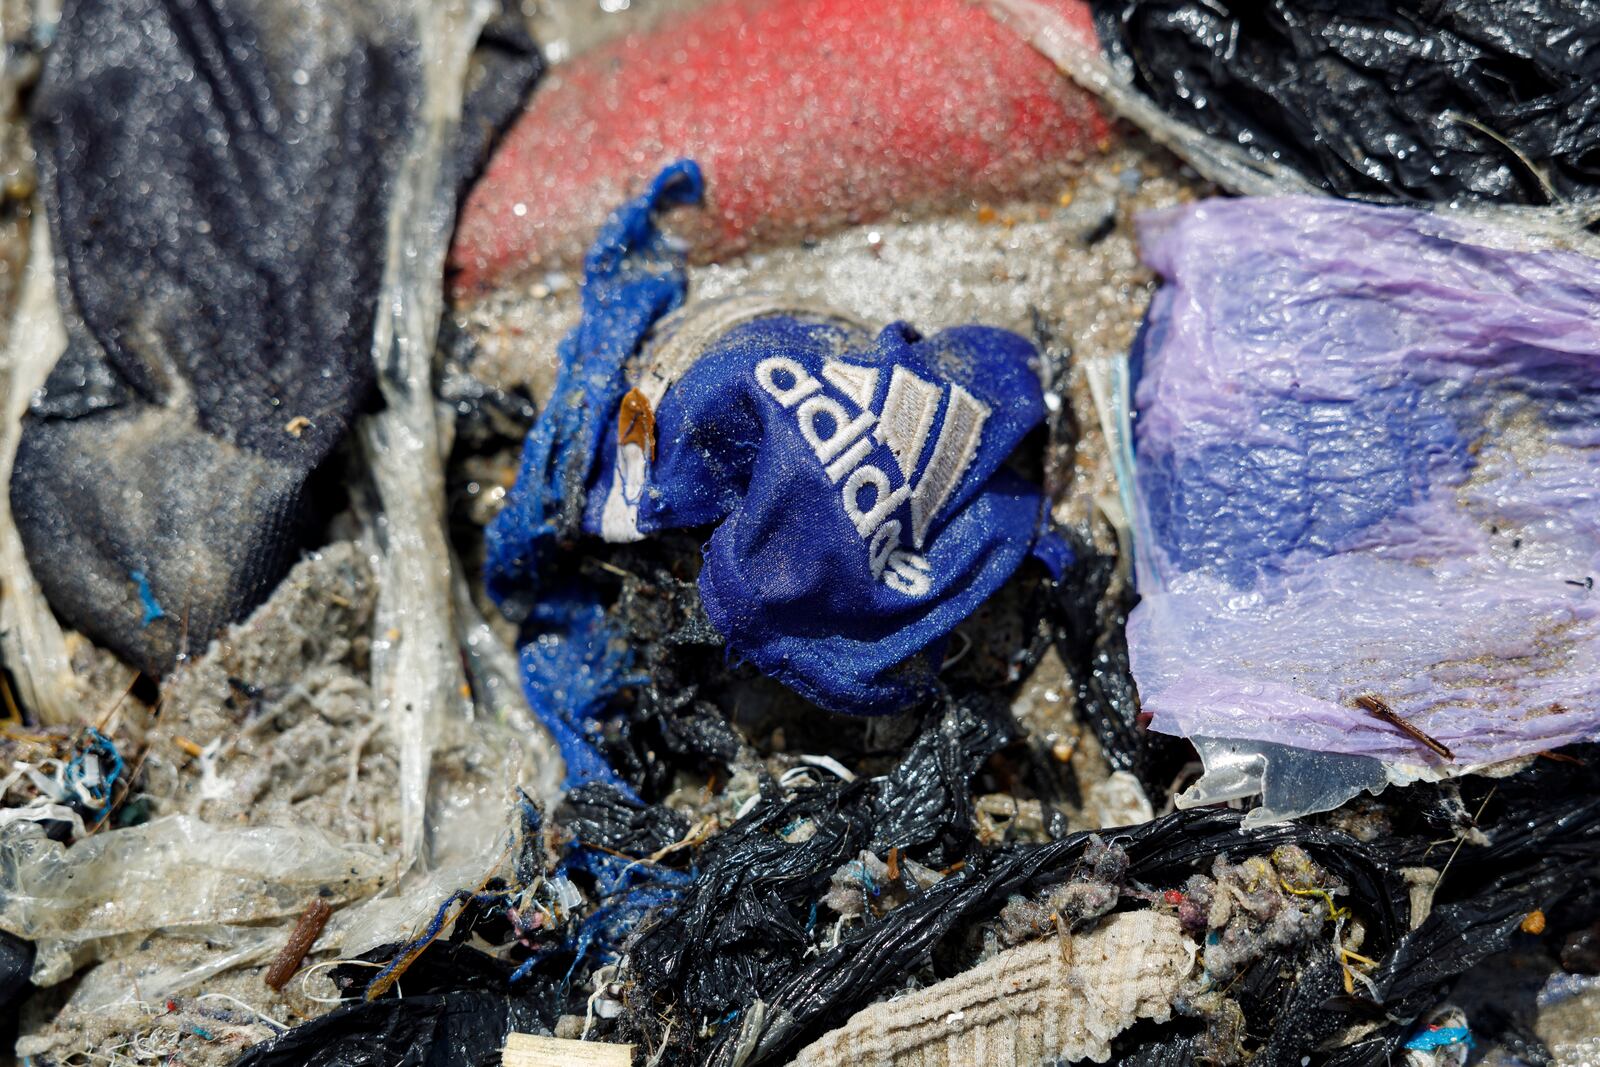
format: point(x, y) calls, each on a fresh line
point(293, 953)
point(105, 719)
point(1377, 708)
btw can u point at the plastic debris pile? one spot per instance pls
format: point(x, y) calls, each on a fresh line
point(1008, 561)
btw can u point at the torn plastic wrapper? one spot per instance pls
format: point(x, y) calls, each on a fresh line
point(429, 1030)
point(1060, 39)
point(364, 924)
point(600, 815)
point(746, 920)
point(248, 873)
point(1367, 526)
point(1239, 165)
point(1540, 834)
point(857, 486)
point(1091, 640)
point(826, 989)
point(121, 882)
point(423, 651)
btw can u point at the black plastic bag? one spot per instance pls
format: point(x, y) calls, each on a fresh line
point(844, 979)
point(1089, 623)
point(1494, 100)
point(466, 1029)
point(745, 924)
point(1543, 843)
point(16, 969)
point(599, 814)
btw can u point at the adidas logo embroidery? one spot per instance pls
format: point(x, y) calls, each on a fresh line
point(842, 439)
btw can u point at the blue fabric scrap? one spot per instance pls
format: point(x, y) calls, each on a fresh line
point(1054, 551)
point(573, 660)
point(857, 485)
point(631, 277)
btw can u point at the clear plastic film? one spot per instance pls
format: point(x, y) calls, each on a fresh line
point(417, 662)
point(355, 928)
point(173, 871)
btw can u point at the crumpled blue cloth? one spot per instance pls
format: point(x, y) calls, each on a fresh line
point(857, 488)
point(573, 659)
point(631, 277)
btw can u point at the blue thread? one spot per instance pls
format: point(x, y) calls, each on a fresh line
point(100, 792)
point(152, 606)
point(629, 890)
point(528, 965)
point(526, 868)
point(404, 955)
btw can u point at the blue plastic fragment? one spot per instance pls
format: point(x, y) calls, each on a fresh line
point(573, 661)
point(152, 607)
point(1440, 1037)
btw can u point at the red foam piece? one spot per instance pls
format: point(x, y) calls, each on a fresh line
point(805, 116)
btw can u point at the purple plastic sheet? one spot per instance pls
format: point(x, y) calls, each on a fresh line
point(1368, 466)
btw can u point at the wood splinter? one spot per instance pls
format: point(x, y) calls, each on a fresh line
point(1377, 708)
point(306, 932)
